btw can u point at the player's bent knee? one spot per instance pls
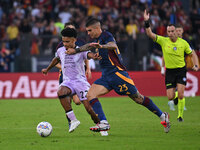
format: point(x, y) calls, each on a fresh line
point(170, 97)
point(76, 100)
point(62, 91)
point(138, 98)
point(138, 101)
point(62, 96)
point(180, 96)
point(90, 97)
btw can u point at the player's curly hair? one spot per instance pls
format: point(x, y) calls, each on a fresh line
point(69, 32)
point(69, 23)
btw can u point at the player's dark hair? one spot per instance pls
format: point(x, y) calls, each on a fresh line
point(68, 24)
point(171, 25)
point(91, 21)
point(69, 32)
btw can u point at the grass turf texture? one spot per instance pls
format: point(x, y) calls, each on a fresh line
point(133, 127)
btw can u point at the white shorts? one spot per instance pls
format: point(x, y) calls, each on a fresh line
point(77, 87)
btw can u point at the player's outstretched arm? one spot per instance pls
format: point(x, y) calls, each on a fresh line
point(90, 46)
point(195, 61)
point(109, 45)
point(55, 61)
point(85, 47)
point(147, 26)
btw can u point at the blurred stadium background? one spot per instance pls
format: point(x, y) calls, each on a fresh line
point(30, 32)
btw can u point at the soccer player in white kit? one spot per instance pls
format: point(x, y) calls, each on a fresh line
point(74, 79)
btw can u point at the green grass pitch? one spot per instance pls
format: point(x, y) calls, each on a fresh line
point(133, 127)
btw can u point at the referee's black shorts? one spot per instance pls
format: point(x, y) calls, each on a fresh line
point(174, 76)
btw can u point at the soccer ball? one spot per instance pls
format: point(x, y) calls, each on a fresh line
point(44, 129)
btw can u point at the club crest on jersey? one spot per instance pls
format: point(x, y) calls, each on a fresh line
point(174, 48)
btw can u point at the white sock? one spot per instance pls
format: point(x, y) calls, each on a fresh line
point(103, 121)
point(71, 115)
point(171, 101)
point(162, 117)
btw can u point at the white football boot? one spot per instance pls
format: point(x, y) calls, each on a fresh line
point(102, 126)
point(166, 123)
point(73, 125)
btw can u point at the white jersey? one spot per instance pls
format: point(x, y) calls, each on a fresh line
point(73, 66)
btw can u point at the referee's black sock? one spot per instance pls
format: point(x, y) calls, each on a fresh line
point(175, 101)
point(176, 98)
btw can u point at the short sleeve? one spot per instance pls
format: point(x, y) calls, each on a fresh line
point(159, 39)
point(188, 49)
point(57, 54)
point(85, 54)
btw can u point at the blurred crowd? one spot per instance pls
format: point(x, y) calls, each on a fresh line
point(44, 19)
